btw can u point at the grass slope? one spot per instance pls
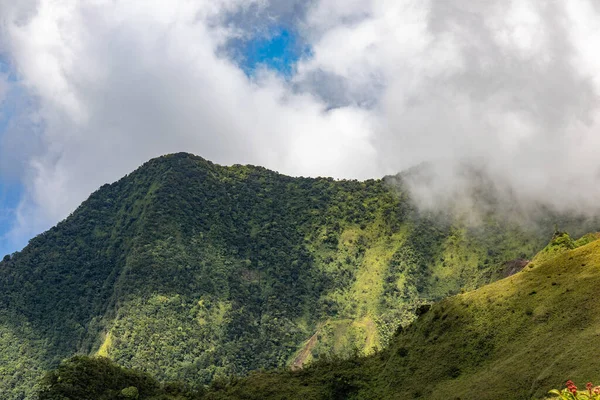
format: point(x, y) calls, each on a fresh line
point(515, 338)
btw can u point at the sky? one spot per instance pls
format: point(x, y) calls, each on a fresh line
point(350, 89)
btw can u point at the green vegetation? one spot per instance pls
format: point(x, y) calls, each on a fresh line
point(572, 393)
point(101, 379)
point(193, 272)
point(513, 339)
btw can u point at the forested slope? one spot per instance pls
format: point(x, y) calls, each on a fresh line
point(513, 339)
point(190, 270)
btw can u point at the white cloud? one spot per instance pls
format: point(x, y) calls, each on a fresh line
point(510, 86)
point(513, 85)
point(120, 82)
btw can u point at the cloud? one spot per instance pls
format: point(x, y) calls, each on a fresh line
point(3, 86)
point(118, 82)
point(511, 87)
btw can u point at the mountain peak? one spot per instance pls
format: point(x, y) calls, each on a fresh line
point(192, 270)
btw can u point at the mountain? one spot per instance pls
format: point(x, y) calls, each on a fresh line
point(193, 271)
point(516, 338)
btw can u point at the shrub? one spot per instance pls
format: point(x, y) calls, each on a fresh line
point(572, 393)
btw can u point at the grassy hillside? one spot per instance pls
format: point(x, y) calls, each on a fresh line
point(519, 336)
point(190, 271)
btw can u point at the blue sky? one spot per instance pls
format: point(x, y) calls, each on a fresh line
point(10, 190)
point(278, 49)
point(10, 194)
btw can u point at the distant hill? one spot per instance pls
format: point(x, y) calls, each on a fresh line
point(192, 271)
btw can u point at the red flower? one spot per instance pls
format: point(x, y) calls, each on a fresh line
point(589, 386)
point(573, 389)
point(597, 390)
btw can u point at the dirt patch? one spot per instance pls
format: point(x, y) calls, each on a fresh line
point(512, 267)
point(303, 355)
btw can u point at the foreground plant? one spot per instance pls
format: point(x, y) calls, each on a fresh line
point(571, 392)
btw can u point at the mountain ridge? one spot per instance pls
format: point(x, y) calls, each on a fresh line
point(194, 271)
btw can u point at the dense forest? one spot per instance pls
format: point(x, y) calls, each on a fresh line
point(194, 272)
point(513, 339)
